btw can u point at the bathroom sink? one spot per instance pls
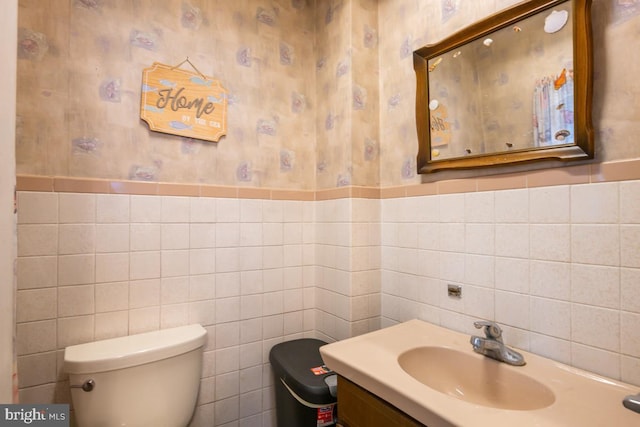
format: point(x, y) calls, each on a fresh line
point(475, 379)
point(433, 374)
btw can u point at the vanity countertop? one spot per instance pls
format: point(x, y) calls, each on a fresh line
point(371, 361)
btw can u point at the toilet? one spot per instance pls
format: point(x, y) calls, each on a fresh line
point(142, 380)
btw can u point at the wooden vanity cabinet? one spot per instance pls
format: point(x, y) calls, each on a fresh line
point(359, 408)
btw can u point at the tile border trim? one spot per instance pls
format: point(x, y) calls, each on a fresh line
point(581, 174)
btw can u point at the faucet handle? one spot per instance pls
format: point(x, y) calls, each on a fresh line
point(491, 329)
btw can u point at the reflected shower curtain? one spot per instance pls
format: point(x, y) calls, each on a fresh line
point(553, 110)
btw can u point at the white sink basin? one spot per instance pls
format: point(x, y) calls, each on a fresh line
point(482, 381)
point(432, 374)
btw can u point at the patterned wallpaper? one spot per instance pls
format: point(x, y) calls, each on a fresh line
point(80, 68)
point(408, 25)
point(322, 92)
point(347, 90)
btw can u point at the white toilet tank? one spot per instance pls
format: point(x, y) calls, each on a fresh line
point(143, 380)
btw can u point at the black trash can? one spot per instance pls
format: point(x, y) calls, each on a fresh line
point(305, 389)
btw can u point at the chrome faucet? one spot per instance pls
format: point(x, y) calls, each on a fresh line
point(492, 345)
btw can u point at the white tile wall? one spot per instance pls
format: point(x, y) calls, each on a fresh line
point(629, 243)
point(111, 325)
point(630, 202)
point(112, 237)
point(595, 285)
point(76, 208)
point(630, 289)
point(348, 257)
point(144, 237)
point(595, 203)
point(36, 239)
point(76, 269)
point(550, 242)
point(512, 206)
point(145, 209)
point(112, 208)
point(144, 265)
point(550, 279)
point(607, 247)
point(38, 208)
point(558, 267)
point(36, 304)
point(112, 296)
point(96, 266)
point(37, 272)
point(550, 205)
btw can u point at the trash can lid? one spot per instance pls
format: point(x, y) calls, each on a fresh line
point(299, 364)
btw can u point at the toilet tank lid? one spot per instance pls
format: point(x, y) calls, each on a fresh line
point(132, 350)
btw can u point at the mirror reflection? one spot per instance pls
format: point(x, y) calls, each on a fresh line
point(484, 97)
point(505, 86)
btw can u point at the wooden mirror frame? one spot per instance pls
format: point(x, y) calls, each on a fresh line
point(583, 148)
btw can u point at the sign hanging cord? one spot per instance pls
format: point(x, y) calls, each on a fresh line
point(190, 63)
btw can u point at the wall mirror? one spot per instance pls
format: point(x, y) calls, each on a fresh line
point(515, 87)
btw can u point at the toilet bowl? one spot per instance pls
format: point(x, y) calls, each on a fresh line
point(142, 380)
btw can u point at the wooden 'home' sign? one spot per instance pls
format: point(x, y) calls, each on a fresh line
point(184, 103)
